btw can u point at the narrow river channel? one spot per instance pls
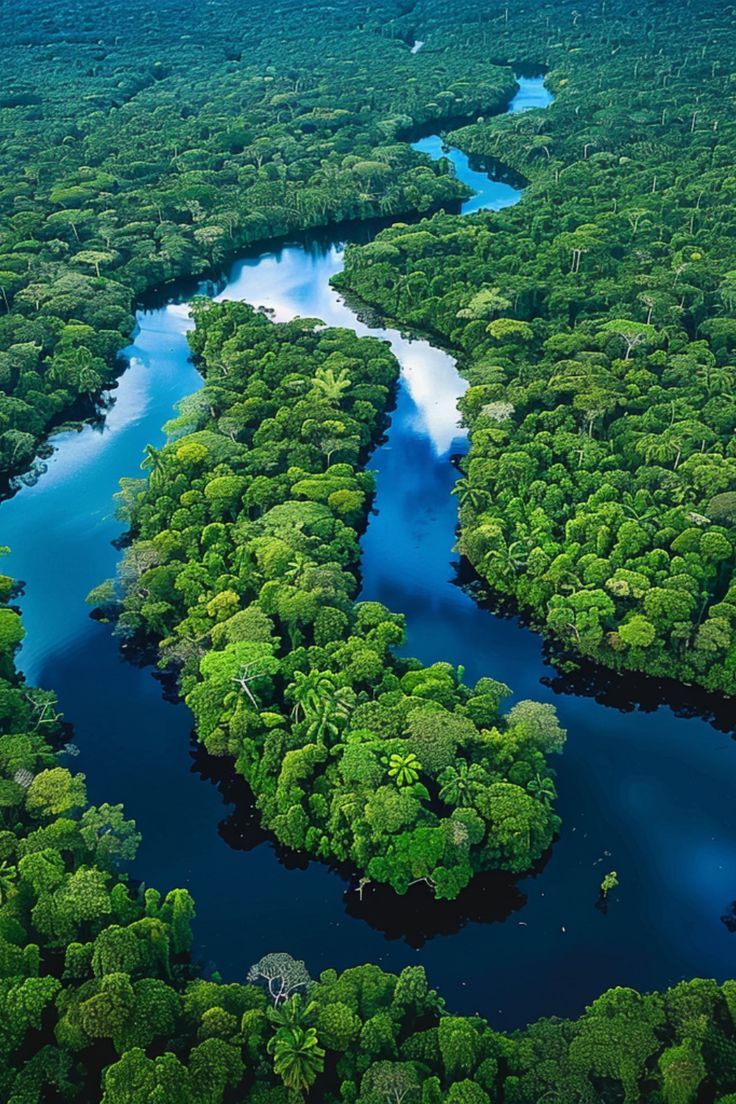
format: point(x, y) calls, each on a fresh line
point(642, 791)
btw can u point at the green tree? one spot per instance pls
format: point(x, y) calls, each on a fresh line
point(632, 333)
point(610, 881)
point(298, 1058)
point(405, 769)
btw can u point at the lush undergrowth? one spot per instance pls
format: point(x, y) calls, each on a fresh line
point(99, 1000)
point(596, 326)
point(244, 567)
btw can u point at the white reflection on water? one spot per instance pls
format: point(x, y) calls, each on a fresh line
point(295, 282)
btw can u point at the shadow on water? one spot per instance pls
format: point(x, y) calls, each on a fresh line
point(414, 918)
point(641, 789)
point(569, 674)
point(418, 917)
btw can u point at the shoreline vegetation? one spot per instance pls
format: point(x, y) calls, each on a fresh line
point(244, 566)
point(596, 331)
point(100, 999)
point(89, 244)
point(102, 1003)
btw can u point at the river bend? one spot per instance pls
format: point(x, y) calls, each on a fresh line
point(641, 790)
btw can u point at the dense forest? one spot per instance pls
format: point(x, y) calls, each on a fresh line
point(100, 1000)
point(120, 171)
point(244, 568)
point(595, 325)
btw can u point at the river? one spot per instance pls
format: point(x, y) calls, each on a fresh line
point(642, 790)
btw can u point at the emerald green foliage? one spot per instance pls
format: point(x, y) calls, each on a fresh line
point(297, 1056)
point(244, 567)
point(138, 146)
point(99, 1000)
point(595, 325)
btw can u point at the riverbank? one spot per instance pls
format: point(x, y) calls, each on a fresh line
point(653, 791)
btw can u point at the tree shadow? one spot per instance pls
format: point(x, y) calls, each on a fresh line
point(729, 918)
point(418, 916)
point(628, 692)
point(414, 918)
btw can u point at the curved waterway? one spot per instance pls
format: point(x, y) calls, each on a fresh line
point(644, 792)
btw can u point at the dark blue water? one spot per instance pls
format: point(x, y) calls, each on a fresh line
point(649, 794)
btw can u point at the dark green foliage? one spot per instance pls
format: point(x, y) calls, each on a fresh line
point(98, 1000)
point(97, 994)
point(244, 567)
point(137, 147)
point(595, 324)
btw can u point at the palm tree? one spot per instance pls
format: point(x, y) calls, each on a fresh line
point(88, 380)
point(293, 1012)
point(332, 386)
point(404, 769)
point(325, 724)
point(307, 692)
point(716, 379)
point(640, 506)
point(297, 1056)
point(296, 568)
point(517, 554)
point(460, 782)
point(321, 702)
point(542, 788)
point(653, 446)
point(153, 460)
point(8, 876)
point(471, 495)
point(507, 561)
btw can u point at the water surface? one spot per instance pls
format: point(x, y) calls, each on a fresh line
point(649, 794)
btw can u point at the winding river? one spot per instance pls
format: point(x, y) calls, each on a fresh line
point(642, 790)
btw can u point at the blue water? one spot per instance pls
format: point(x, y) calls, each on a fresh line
point(490, 195)
point(649, 794)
